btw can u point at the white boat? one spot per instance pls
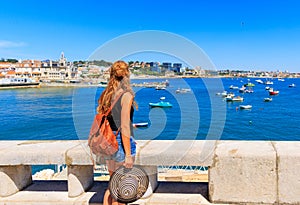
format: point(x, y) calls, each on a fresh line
point(235, 99)
point(233, 87)
point(268, 99)
point(238, 99)
point(103, 84)
point(242, 89)
point(140, 124)
point(268, 82)
point(229, 95)
point(259, 81)
point(18, 83)
point(224, 94)
point(292, 85)
point(249, 91)
point(160, 87)
point(183, 90)
point(245, 107)
point(280, 79)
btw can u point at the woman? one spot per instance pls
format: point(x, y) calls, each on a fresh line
point(120, 119)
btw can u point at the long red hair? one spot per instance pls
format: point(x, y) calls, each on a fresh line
point(119, 79)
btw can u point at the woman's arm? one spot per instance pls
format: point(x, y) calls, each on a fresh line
point(126, 104)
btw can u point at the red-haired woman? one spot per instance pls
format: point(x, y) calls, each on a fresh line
point(120, 119)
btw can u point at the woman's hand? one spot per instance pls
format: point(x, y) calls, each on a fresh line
point(128, 161)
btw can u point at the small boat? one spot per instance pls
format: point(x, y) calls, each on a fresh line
point(292, 85)
point(268, 82)
point(161, 104)
point(229, 95)
point(245, 107)
point(249, 91)
point(268, 99)
point(238, 99)
point(273, 92)
point(235, 99)
point(103, 84)
point(268, 88)
point(224, 94)
point(242, 89)
point(249, 84)
point(280, 79)
point(140, 124)
point(160, 87)
point(259, 81)
point(233, 87)
point(183, 90)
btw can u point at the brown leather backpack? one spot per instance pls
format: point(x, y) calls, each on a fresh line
point(102, 140)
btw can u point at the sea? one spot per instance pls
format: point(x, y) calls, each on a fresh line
point(200, 113)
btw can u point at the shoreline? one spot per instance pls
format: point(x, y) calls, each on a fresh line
point(86, 84)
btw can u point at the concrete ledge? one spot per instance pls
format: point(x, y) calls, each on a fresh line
point(175, 152)
point(35, 152)
point(79, 155)
point(288, 154)
point(156, 152)
point(243, 172)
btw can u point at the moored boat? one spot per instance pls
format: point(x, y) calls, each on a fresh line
point(249, 84)
point(161, 104)
point(292, 85)
point(268, 99)
point(245, 107)
point(273, 92)
point(259, 81)
point(233, 87)
point(18, 83)
point(183, 90)
point(103, 84)
point(268, 82)
point(140, 124)
point(235, 99)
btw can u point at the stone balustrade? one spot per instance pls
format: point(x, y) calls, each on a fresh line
point(240, 172)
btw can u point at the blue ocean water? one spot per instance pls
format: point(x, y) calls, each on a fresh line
point(67, 113)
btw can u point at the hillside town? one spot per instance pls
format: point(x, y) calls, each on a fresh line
point(63, 71)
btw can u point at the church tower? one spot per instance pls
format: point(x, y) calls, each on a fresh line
point(62, 60)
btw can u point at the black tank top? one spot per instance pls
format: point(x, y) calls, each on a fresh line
point(115, 117)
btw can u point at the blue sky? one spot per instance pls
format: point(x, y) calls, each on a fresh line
point(240, 34)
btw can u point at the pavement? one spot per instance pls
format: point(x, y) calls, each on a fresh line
point(42, 192)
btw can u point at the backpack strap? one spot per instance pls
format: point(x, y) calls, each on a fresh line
point(114, 102)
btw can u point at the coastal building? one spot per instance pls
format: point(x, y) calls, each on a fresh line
point(29, 69)
point(177, 67)
point(154, 67)
point(7, 65)
point(167, 66)
point(59, 70)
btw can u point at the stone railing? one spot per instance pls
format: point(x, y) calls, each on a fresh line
point(247, 172)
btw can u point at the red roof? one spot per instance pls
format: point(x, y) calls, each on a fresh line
point(11, 72)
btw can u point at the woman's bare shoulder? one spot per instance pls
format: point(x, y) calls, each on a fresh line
point(127, 97)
